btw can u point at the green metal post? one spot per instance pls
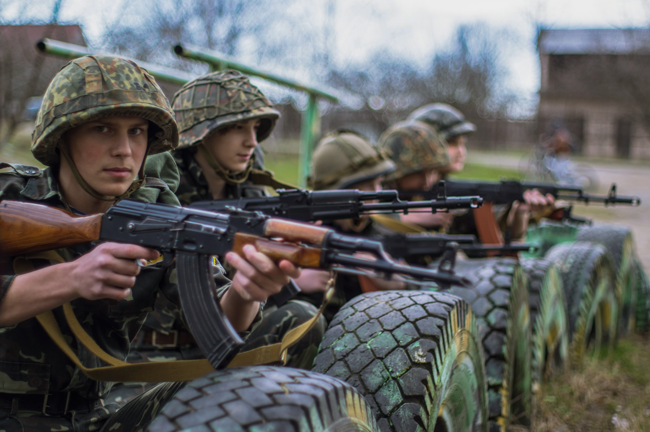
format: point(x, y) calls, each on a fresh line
point(71, 51)
point(308, 133)
point(310, 127)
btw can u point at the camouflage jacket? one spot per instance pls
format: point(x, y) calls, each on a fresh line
point(194, 187)
point(30, 362)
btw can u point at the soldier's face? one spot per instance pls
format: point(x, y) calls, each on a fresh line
point(457, 154)
point(233, 147)
point(108, 152)
point(421, 180)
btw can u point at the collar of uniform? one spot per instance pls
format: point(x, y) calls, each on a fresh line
point(42, 187)
point(187, 163)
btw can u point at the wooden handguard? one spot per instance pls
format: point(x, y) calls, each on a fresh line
point(295, 232)
point(300, 256)
point(27, 228)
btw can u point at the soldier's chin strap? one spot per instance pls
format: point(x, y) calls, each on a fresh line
point(137, 184)
point(257, 177)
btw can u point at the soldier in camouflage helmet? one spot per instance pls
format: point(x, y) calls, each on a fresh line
point(346, 160)
point(99, 119)
point(452, 127)
point(222, 117)
point(419, 154)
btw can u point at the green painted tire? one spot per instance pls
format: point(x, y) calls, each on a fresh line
point(591, 298)
point(266, 398)
point(618, 242)
point(548, 315)
point(642, 305)
point(415, 356)
point(499, 299)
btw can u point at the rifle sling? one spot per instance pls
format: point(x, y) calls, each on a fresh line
point(178, 370)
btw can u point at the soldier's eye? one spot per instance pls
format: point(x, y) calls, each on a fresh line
point(135, 131)
point(101, 129)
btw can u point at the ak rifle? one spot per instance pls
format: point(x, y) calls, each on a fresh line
point(192, 237)
point(507, 191)
point(410, 246)
point(310, 206)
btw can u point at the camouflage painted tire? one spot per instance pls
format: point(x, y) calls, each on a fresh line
point(499, 300)
point(618, 242)
point(592, 303)
point(415, 356)
point(642, 304)
point(548, 316)
point(266, 398)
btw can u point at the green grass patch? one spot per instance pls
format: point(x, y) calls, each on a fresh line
point(484, 172)
point(600, 395)
point(284, 166)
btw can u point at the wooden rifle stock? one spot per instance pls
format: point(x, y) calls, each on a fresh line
point(27, 228)
point(300, 256)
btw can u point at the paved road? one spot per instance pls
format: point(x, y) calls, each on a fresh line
point(631, 179)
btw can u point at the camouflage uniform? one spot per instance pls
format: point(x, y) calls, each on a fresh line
point(40, 388)
point(202, 106)
point(342, 160)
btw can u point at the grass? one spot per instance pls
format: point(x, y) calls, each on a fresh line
point(603, 395)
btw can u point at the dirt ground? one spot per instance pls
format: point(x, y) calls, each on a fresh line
point(631, 179)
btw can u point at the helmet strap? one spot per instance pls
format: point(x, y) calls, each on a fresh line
point(218, 169)
point(137, 184)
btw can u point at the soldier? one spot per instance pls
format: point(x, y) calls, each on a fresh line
point(100, 119)
point(346, 160)
point(222, 118)
point(453, 128)
point(420, 155)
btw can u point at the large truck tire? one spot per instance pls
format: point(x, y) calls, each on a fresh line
point(642, 303)
point(266, 398)
point(617, 240)
point(499, 300)
point(590, 291)
point(549, 318)
point(416, 356)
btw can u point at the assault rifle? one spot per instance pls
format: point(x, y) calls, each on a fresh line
point(507, 191)
point(192, 237)
point(410, 246)
point(312, 206)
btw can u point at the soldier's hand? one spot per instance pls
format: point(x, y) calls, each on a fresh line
point(257, 277)
point(108, 271)
point(312, 280)
point(537, 203)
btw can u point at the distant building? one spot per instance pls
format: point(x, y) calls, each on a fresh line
point(596, 83)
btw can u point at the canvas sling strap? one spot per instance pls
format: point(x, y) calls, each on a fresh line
point(179, 370)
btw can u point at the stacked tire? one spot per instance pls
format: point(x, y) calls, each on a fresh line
point(417, 358)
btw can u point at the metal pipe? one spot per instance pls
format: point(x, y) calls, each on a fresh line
point(71, 51)
point(221, 61)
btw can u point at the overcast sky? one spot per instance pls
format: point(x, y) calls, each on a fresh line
point(412, 28)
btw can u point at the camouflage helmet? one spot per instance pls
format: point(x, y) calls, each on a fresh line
point(345, 158)
point(220, 99)
point(445, 119)
point(413, 147)
point(97, 86)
